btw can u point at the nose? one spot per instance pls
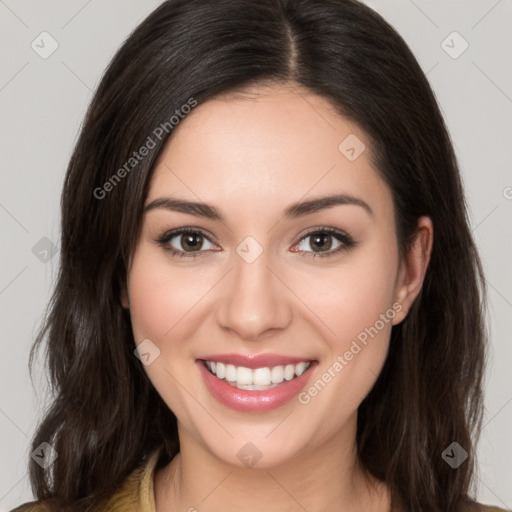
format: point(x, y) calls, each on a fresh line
point(254, 301)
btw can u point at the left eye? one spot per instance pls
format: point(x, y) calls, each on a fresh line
point(324, 242)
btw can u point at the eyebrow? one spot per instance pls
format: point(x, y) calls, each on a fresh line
point(295, 210)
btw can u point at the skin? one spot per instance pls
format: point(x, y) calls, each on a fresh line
point(251, 156)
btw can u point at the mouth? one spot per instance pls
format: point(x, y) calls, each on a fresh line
point(258, 379)
point(251, 386)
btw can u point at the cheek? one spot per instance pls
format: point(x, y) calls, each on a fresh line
point(151, 307)
point(160, 296)
point(162, 301)
point(356, 309)
point(355, 294)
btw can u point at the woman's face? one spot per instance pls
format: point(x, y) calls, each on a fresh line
point(319, 285)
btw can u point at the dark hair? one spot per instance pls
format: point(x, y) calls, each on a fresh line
point(106, 417)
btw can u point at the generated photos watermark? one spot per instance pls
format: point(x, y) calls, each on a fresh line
point(341, 361)
point(158, 133)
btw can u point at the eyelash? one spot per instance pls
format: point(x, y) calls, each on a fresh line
point(347, 242)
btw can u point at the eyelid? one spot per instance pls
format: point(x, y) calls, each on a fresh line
point(170, 233)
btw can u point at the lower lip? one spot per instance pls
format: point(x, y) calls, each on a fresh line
point(253, 401)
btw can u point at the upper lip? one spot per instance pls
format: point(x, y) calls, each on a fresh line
point(255, 361)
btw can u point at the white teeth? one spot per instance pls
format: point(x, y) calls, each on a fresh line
point(252, 387)
point(243, 375)
point(259, 378)
point(289, 371)
point(230, 372)
point(300, 368)
point(277, 374)
point(220, 370)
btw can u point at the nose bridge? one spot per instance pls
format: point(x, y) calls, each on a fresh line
point(253, 299)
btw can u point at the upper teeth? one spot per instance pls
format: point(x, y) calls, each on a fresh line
point(243, 376)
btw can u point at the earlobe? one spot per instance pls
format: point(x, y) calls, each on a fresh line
point(414, 267)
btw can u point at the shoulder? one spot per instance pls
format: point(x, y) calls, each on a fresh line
point(33, 506)
point(480, 507)
point(135, 494)
point(489, 508)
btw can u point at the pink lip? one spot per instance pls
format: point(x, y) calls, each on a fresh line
point(255, 361)
point(253, 401)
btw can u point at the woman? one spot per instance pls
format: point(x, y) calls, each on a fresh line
point(269, 296)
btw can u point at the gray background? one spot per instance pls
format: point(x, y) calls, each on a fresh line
point(42, 104)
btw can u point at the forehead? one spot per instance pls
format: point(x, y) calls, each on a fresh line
point(266, 146)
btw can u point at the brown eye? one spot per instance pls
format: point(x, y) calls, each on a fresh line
point(185, 242)
point(325, 242)
point(191, 241)
point(321, 241)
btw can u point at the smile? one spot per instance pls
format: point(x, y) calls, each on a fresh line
point(254, 384)
point(257, 379)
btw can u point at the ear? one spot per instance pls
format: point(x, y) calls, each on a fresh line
point(125, 300)
point(413, 268)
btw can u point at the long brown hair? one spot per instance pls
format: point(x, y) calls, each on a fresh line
point(106, 417)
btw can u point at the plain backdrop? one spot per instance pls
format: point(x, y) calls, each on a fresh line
point(461, 45)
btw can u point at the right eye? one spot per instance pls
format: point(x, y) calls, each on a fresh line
point(184, 242)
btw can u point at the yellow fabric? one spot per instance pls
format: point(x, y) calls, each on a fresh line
point(136, 495)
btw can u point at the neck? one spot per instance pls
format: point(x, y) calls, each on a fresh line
point(322, 478)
